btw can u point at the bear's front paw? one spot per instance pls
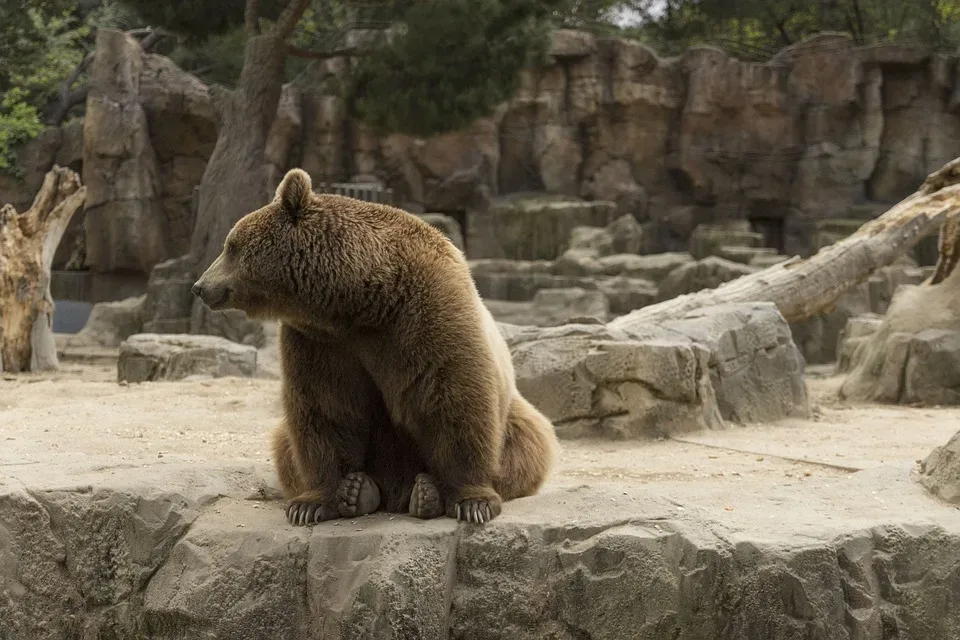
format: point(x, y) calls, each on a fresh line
point(359, 495)
point(304, 510)
point(425, 501)
point(477, 510)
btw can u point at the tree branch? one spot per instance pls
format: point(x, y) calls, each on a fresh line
point(152, 38)
point(320, 55)
point(288, 20)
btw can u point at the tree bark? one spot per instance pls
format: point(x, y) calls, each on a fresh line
point(234, 181)
point(802, 289)
point(28, 242)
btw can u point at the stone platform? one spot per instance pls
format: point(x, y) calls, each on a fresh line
point(150, 510)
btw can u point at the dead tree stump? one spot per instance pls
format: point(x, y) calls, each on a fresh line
point(28, 241)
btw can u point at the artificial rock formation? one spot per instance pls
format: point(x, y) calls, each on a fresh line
point(823, 130)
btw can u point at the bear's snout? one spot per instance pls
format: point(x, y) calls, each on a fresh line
point(213, 295)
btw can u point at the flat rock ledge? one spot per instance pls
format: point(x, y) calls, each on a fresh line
point(188, 551)
point(151, 356)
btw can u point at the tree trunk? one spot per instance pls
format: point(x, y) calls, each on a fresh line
point(234, 181)
point(802, 289)
point(28, 242)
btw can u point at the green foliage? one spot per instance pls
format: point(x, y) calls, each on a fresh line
point(194, 20)
point(448, 63)
point(42, 44)
point(761, 27)
point(19, 122)
point(216, 60)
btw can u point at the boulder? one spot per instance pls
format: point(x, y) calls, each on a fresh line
point(614, 181)
point(532, 228)
point(653, 267)
point(731, 362)
point(148, 356)
point(854, 334)
point(625, 294)
point(711, 240)
point(755, 368)
point(110, 323)
point(559, 306)
point(622, 236)
point(919, 368)
point(708, 273)
point(940, 471)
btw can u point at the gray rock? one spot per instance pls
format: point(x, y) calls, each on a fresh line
point(708, 273)
point(149, 356)
point(733, 362)
point(447, 225)
point(921, 368)
point(622, 236)
point(709, 240)
point(592, 382)
point(854, 334)
point(559, 306)
point(755, 368)
point(110, 323)
point(940, 471)
point(626, 294)
point(652, 267)
point(553, 307)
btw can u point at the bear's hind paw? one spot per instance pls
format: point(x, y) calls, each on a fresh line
point(359, 495)
point(425, 500)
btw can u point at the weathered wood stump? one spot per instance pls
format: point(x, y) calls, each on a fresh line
point(28, 241)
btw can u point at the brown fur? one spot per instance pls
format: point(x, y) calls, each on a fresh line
point(391, 363)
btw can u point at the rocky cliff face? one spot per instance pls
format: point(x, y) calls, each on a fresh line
point(823, 130)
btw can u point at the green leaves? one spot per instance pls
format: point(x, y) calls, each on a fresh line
point(451, 62)
point(19, 122)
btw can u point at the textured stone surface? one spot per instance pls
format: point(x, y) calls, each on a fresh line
point(110, 323)
point(150, 356)
point(913, 356)
point(825, 130)
point(732, 362)
point(708, 273)
point(191, 549)
point(940, 471)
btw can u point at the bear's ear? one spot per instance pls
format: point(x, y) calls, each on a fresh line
point(294, 192)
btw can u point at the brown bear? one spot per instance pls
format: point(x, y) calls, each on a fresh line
point(398, 388)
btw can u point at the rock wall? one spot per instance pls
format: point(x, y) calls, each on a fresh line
point(823, 130)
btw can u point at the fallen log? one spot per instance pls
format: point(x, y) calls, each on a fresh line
point(28, 241)
point(802, 289)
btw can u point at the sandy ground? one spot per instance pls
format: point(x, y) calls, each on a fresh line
point(53, 426)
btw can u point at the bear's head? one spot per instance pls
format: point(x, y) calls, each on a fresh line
point(268, 255)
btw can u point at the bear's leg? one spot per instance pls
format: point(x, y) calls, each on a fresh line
point(529, 451)
point(287, 471)
point(330, 407)
point(359, 495)
point(464, 462)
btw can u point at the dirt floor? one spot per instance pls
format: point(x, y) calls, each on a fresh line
point(77, 421)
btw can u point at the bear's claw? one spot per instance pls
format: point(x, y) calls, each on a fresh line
point(359, 495)
point(301, 513)
point(425, 501)
point(475, 511)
